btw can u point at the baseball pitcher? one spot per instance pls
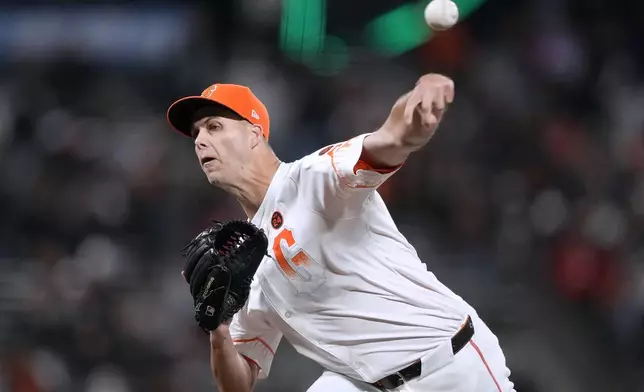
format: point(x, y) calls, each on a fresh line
point(320, 261)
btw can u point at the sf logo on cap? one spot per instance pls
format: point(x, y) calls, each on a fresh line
point(211, 90)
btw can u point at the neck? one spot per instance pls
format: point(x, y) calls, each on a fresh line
point(251, 190)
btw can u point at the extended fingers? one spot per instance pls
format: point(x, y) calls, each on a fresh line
point(448, 91)
point(426, 110)
point(412, 103)
point(435, 101)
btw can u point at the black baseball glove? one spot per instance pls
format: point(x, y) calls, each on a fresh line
point(220, 264)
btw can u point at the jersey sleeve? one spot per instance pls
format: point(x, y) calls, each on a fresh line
point(255, 339)
point(335, 175)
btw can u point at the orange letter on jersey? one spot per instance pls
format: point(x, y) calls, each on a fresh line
point(299, 259)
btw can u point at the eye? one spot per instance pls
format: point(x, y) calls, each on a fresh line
point(213, 126)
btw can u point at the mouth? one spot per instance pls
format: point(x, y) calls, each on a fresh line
point(206, 160)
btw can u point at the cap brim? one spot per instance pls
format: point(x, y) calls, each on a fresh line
point(180, 114)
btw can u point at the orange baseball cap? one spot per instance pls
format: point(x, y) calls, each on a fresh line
point(237, 98)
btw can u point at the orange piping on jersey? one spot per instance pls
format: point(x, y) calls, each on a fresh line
point(362, 186)
point(330, 154)
point(251, 361)
point(360, 165)
point(255, 340)
point(363, 164)
point(486, 365)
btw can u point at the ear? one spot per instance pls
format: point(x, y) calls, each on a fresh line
point(257, 135)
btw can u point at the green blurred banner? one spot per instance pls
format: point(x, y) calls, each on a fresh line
point(303, 32)
point(303, 28)
point(404, 28)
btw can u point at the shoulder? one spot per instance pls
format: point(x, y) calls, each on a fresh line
point(326, 158)
point(318, 162)
point(332, 165)
point(306, 179)
point(320, 155)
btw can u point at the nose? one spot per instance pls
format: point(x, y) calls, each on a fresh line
point(200, 141)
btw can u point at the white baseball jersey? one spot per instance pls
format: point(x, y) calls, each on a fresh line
point(342, 284)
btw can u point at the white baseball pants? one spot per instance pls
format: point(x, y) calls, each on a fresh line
point(478, 367)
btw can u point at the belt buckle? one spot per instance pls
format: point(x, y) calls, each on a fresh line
point(387, 383)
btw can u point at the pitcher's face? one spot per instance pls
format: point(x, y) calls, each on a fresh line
point(223, 144)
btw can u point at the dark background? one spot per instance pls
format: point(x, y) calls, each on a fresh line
point(529, 202)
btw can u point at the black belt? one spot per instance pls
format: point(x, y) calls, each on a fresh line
point(459, 340)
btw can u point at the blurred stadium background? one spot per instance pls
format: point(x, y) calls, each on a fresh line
point(529, 202)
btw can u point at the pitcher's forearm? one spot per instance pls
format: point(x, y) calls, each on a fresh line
point(231, 370)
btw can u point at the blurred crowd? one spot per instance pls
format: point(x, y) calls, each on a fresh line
point(529, 202)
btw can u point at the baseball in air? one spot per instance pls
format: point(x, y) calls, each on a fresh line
point(441, 14)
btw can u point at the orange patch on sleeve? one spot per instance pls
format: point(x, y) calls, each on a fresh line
point(366, 163)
